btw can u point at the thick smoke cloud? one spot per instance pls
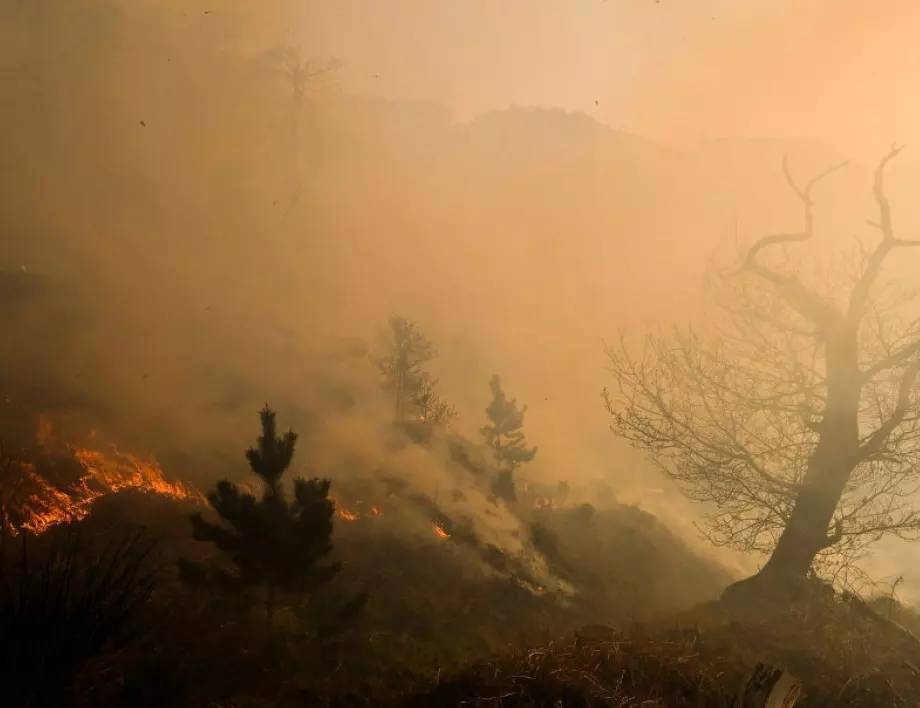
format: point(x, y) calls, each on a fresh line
point(148, 171)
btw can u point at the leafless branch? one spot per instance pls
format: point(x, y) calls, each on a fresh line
point(734, 414)
point(809, 304)
point(881, 435)
point(892, 360)
point(860, 295)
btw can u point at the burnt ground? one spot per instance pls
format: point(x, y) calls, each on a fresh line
point(434, 607)
point(440, 630)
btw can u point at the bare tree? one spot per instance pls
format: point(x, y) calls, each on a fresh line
point(302, 75)
point(795, 415)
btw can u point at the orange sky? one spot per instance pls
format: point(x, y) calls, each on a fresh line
point(844, 70)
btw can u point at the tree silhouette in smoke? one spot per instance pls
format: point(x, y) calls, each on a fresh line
point(276, 546)
point(504, 435)
point(797, 415)
point(414, 390)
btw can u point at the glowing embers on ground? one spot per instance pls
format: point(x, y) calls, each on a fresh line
point(345, 514)
point(354, 512)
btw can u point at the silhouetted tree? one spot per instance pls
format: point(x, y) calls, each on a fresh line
point(797, 414)
point(277, 546)
point(504, 436)
point(302, 74)
point(414, 391)
point(432, 409)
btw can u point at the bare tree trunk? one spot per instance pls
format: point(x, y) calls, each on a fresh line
point(835, 456)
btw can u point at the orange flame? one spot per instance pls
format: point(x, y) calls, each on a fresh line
point(342, 511)
point(438, 529)
point(105, 473)
point(345, 514)
point(353, 514)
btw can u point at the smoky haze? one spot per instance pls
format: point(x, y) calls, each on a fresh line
point(521, 178)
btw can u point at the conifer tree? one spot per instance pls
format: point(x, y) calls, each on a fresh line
point(276, 546)
point(432, 409)
point(408, 352)
point(504, 436)
point(414, 390)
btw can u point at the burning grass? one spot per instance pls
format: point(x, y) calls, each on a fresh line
point(434, 617)
point(434, 607)
point(105, 472)
point(442, 598)
point(59, 482)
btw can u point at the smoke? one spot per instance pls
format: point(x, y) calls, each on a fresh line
point(441, 484)
point(200, 260)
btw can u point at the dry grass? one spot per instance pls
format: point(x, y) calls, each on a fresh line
point(430, 626)
point(61, 605)
point(654, 675)
point(844, 654)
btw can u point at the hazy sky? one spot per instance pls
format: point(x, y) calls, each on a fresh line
point(178, 164)
point(845, 70)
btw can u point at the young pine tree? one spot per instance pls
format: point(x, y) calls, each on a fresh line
point(276, 546)
point(504, 436)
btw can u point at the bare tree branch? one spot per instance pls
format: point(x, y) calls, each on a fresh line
point(892, 360)
point(786, 412)
point(878, 439)
point(809, 304)
point(889, 242)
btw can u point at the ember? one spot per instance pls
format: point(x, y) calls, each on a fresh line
point(354, 512)
point(345, 514)
point(438, 529)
